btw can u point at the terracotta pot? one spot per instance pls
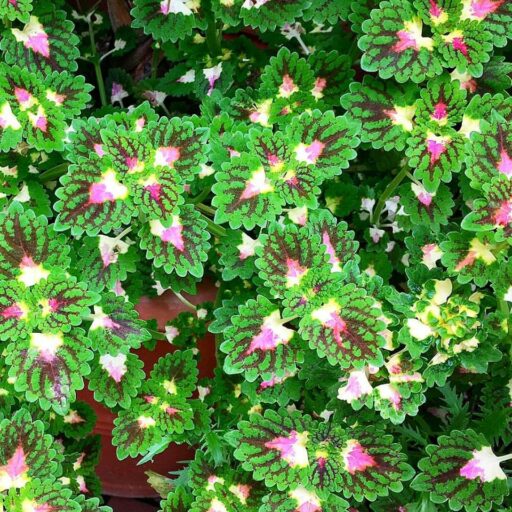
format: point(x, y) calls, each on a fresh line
point(125, 478)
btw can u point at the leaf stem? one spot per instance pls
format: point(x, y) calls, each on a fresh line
point(305, 49)
point(53, 172)
point(123, 233)
point(391, 187)
point(201, 196)
point(97, 66)
point(157, 335)
point(205, 208)
point(504, 458)
point(184, 301)
point(289, 319)
point(213, 228)
point(155, 58)
point(213, 32)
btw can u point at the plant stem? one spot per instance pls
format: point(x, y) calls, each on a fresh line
point(305, 49)
point(154, 62)
point(504, 458)
point(213, 32)
point(213, 228)
point(54, 172)
point(184, 301)
point(157, 335)
point(200, 197)
point(123, 233)
point(97, 66)
point(391, 187)
point(205, 208)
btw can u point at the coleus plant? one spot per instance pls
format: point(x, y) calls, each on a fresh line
point(339, 171)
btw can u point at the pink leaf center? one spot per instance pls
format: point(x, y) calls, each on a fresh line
point(356, 457)
point(155, 191)
point(482, 8)
point(440, 111)
point(320, 85)
point(503, 215)
point(405, 41)
point(295, 272)
point(98, 148)
point(459, 45)
point(291, 448)
point(13, 311)
point(310, 153)
point(39, 43)
point(23, 96)
point(287, 87)
point(14, 473)
point(329, 249)
point(505, 164)
point(166, 156)
point(174, 235)
point(435, 10)
point(435, 148)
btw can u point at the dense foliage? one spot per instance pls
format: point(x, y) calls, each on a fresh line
point(341, 170)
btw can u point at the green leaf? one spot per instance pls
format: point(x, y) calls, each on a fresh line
point(174, 374)
point(244, 195)
point(49, 367)
point(423, 208)
point(19, 10)
point(116, 327)
point(103, 261)
point(273, 446)
point(293, 181)
point(434, 155)
point(493, 212)
point(289, 80)
point(463, 471)
point(326, 12)
point(37, 106)
point(287, 257)
point(394, 44)
point(116, 379)
point(470, 257)
point(92, 201)
point(167, 20)
point(343, 324)
point(26, 452)
point(178, 146)
point(325, 143)
point(337, 240)
point(332, 72)
point(490, 153)
point(258, 344)
point(237, 255)
point(85, 136)
point(178, 243)
point(465, 48)
point(135, 430)
point(270, 15)
point(497, 19)
point(46, 494)
point(29, 248)
point(385, 110)
point(91, 504)
point(300, 497)
point(442, 103)
point(46, 43)
point(59, 302)
point(363, 462)
point(178, 500)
